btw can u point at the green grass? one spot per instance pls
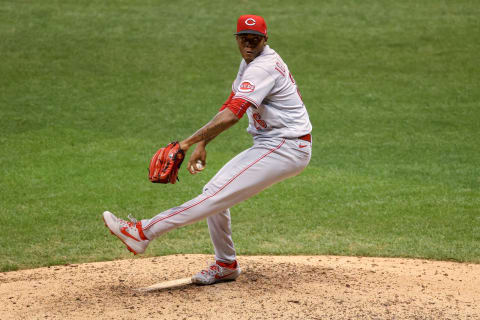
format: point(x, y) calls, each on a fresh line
point(90, 89)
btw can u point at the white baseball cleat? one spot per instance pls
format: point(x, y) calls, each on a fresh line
point(129, 232)
point(217, 272)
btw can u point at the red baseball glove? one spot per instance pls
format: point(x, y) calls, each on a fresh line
point(165, 164)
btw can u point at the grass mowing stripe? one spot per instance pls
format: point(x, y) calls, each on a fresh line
point(89, 90)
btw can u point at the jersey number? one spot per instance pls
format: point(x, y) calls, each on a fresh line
point(259, 123)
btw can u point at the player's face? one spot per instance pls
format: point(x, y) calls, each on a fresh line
point(250, 46)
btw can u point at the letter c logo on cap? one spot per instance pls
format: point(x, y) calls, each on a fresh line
point(250, 22)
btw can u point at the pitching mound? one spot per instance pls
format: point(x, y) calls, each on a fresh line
point(315, 287)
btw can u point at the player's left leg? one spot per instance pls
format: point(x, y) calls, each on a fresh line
point(225, 267)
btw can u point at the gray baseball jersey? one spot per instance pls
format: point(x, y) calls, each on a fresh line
point(279, 123)
point(278, 108)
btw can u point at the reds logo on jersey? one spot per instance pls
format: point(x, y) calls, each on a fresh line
point(246, 86)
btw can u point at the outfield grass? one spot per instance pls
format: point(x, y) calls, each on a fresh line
point(90, 89)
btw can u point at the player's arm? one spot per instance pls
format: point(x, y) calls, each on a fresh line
point(221, 122)
point(230, 113)
point(199, 156)
point(212, 134)
point(203, 144)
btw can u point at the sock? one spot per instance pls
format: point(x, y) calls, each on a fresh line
point(232, 265)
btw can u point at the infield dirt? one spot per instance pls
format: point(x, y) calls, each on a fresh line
point(271, 287)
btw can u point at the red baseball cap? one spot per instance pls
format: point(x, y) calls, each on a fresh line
point(251, 24)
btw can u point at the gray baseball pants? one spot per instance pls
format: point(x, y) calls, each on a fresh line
point(268, 161)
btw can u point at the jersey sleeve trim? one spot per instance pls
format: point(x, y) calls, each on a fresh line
point(239, 107)
point(232, 94)
point(255, 104)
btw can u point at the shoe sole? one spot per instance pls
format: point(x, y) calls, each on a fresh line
point(209, 284)
point(128, 247)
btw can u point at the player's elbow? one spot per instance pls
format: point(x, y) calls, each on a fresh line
point(229, 117)
point(233, 119)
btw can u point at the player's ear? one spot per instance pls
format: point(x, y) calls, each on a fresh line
point(266, 38)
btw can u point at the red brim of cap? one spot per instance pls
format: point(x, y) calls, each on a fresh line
point(250, 32)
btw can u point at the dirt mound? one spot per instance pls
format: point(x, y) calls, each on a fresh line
point(270, 287)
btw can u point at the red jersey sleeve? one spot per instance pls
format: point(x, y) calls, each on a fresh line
point(239, 106)
point(227, 102)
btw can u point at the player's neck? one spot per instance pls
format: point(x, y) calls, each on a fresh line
point(258, 55)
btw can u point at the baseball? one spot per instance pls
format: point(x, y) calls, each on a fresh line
point(199, 165)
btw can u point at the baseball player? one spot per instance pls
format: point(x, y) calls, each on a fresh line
point(266, 91)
